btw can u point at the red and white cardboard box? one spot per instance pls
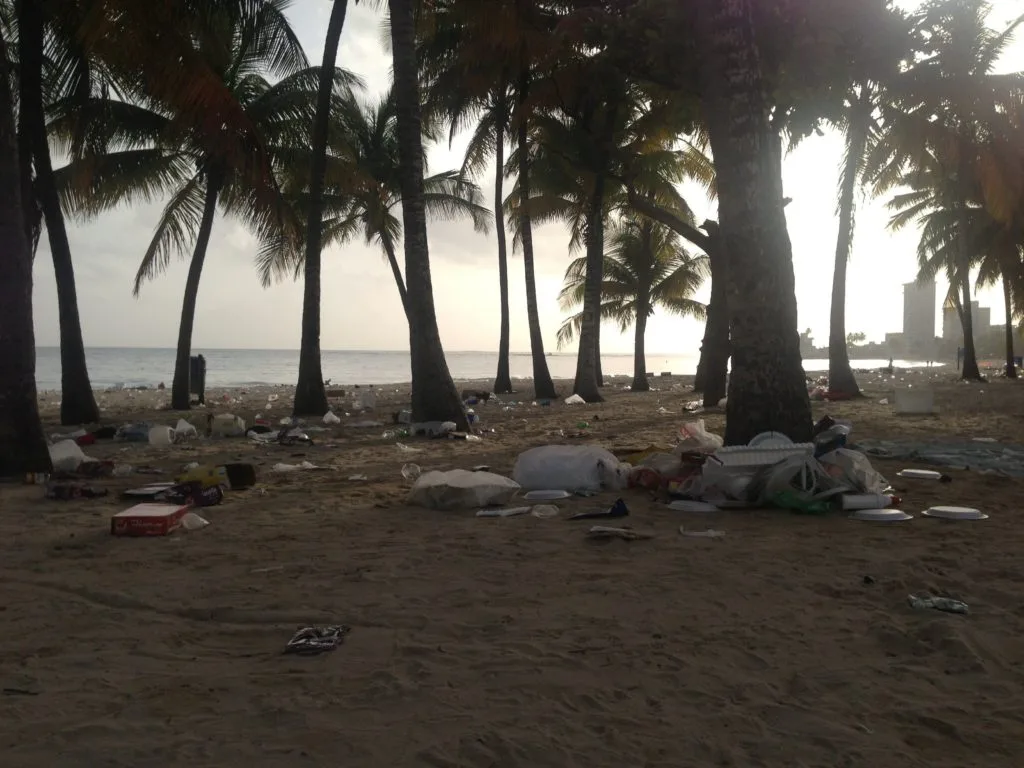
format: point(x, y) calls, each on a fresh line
point(148, 519)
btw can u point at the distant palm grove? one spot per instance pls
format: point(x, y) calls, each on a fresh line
point(592, 113)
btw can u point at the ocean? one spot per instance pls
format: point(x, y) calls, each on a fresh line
point(111, 366)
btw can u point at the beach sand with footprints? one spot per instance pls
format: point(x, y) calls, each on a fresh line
point(514, 642)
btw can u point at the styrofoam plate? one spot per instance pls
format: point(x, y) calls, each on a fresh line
point(881, 515)
point(955, 513)
point(547, 495)
point(769, 440)
point(686, 505)
point(920, 474)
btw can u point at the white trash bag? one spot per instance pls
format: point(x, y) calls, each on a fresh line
point(572, 468)
point(66, 456)
point(461, 489)
point(695, 438)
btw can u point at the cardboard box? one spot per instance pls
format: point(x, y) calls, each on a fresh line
point(148, 519)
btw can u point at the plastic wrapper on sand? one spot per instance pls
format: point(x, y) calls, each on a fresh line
point(461, 489)
point(572, 468)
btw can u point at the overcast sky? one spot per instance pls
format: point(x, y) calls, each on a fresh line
point(361, 308)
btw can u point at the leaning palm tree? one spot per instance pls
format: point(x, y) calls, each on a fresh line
point(140, 150)
point(22, 443)
point(53, 67)
point(434, 396)
point(645, 268)
point(484, 60)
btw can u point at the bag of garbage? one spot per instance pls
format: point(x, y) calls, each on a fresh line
point(572, 468)
point(695, 438)
point(461, 489)
point(799, 483)
point(854, 469)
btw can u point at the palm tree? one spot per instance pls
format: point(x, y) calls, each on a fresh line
point(646, 267)
point(767, 389)
point(856, 126)
point(434, 396)
point(951, 121)
point(482, 60)
point(310, 395)
point(22, 443)
point(141, 150)
point(35, 32)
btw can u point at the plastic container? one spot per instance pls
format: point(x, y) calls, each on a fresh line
point(161, 436)
point(227, 425)
point(866, 501)
point(914, 400)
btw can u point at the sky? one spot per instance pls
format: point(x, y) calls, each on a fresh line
point(361, 308)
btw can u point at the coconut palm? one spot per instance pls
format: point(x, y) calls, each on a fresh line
point(483, 60)
point(310, 394)
point(141, 150)
point(951, 121)
point(645, 268)
point(434, 396)
point(22, 443)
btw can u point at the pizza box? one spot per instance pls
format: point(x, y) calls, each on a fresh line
point(148, 519)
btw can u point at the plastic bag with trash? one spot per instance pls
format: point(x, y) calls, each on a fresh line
point(461, 489)
point(853, 468)
point(572, 468)
point(695, 438)
point(331, 418)
point(183, 431)
point(66, 456)
point(798, 483)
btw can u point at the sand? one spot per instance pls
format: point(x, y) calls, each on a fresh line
point(514, 642)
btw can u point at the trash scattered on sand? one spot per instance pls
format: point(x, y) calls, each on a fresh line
point(331, 418)
point(575, 400)
point(710, 533)
point(544, 511)
point(627, 534)
point(945, 604)
point(503, 511)
point(411, 471)
point(462, 489)
point(193, 522)
point(408, 448)
point(295, 467)
point(312, 641)
point(618, 509)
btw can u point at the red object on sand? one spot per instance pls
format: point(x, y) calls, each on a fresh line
point(148, 519)
point(86, 439)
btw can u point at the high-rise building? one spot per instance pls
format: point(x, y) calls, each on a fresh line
point(981, 317)
point(919, 318)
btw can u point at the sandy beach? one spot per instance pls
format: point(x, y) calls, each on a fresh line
point(513, 642)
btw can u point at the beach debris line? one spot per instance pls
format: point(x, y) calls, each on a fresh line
point(312, 641)
point(946, 604)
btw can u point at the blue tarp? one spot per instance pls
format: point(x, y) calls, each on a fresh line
point(998, 457)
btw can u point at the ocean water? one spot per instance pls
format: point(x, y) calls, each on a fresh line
point(110, 366)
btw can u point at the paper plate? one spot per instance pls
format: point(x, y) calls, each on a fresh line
point(547, 495)
point(686, 505)
point(920, 474)
point(769, 440)
point(881, 515)
point(955, 513)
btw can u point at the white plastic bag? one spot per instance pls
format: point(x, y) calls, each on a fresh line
point(575, 400)
point(572, 468)
point(66, 456)
point(461, 489)
point(184, 431)
point(331, 418)
point(854, 469)
point(694, 437)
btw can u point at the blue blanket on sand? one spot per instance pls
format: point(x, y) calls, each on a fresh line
point(992, 457)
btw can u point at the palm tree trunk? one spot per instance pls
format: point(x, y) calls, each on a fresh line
point(640, 381)
point(180, 397)
point(78, 404)
point(543, 386)
point(1011, 366)
point(310, 394)
point(840, 373)
point(434, 397)
point(598, 370)
point(715, 349)
point(22, 443)
point(586, 385)
point(970, 369)
point(767, 389)
point(396, 270)
point(503, 378)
